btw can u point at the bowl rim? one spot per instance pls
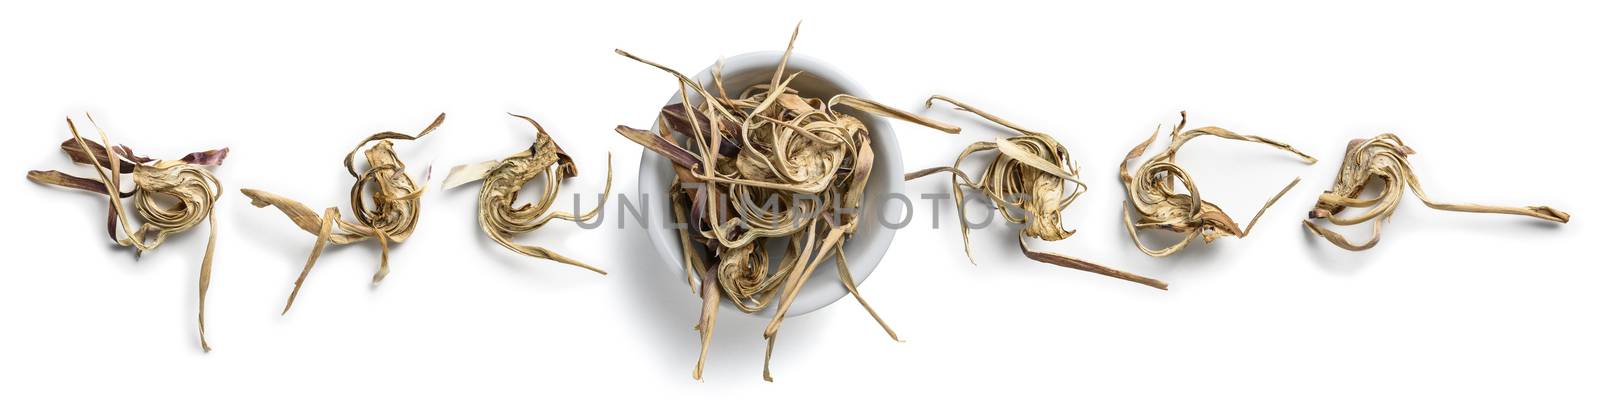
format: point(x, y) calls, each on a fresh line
point(887, 166)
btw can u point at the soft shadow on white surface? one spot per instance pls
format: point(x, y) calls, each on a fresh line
point(1197, 261)
point(177, 258)
point(1336, 259)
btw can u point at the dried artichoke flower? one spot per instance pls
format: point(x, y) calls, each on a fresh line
point(1026, 181)
point(155, 184)
point(770, 143)
point(392, 216)
point(498, 215)
point(1161, 206)
point(1385, 157)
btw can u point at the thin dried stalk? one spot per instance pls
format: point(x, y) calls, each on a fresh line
point(1151, 192)
point(155, 183)
point(392, 216)
point(498, 215)
point(1027, 182)
point(1384, 157)
point(767, 163)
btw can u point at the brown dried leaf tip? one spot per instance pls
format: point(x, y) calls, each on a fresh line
point(498, 215)
point(170, 195)
point(390, 218)
point(1384, 157)
point(767, 165)
point(1026, 182)
point(1153, 195)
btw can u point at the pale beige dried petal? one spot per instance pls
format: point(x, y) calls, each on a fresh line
point(465, 174)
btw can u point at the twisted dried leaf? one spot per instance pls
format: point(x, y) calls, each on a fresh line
point(156, 183)
point(392, 216)
point(1027, 182)
point(1385, 158)
point(498, 215)
point(1153, 196)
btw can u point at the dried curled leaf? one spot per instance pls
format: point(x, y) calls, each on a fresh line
point(1384, 157)
point(1027, 182)
point(170, 196)
point(390, 218)
point(1159, 204)
point(498, 214)
point(766, 164)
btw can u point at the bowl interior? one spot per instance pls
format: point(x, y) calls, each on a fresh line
point(863, 250)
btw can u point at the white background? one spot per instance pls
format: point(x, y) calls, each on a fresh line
point(1451, 311)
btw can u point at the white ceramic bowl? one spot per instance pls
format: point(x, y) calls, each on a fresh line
point(863, 250)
